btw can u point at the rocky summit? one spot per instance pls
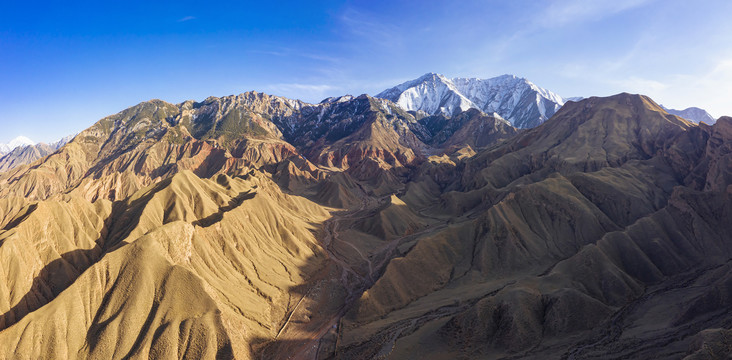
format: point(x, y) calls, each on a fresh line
point(390, 227)
point(518, 100)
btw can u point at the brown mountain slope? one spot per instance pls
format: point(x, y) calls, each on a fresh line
point(588, 135)
point(192, 267)
point(179, 264)
point(254, 226)
point(153, 140)
point(562, 228)
point(472, 128)
point(24, 155)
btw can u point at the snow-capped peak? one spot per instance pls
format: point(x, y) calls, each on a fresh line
point(432, 93)
point(18, 141)
point(61, 142)
point(694, 114)
point(516, 99)
point(337, 99)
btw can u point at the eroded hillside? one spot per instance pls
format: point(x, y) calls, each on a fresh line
point(254, 226)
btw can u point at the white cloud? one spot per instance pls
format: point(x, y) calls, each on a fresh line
point(186, 18)
point(711, 90)
point(640, 85)
point(305, 92)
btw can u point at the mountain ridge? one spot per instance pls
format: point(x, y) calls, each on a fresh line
point(354, 229)
point(15, 142)
point(26, 154)
point(231, 134)
point(694, 114)
point(516, 99)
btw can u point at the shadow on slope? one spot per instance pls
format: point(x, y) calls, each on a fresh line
point(50, 282)
point(217, 216)
point(19, 219)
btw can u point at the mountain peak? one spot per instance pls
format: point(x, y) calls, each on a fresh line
point(337, 99)
point(516, 99)
point(21, 140)
point(424, 79)
point(432, 93)
point(433, 77)
point(693, 114)
point(17, 141)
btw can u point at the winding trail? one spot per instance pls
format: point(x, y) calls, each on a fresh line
point(354, 278)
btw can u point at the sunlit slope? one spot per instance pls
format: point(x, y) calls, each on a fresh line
point(44, 249)
point(151, 141)
point(187, 268)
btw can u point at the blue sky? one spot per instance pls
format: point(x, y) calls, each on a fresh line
point(64, 66)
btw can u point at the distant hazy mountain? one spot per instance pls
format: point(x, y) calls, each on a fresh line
point(18, 141)
point(58, 144)
point(25, 151)
point(694, 114)
point(517, 100)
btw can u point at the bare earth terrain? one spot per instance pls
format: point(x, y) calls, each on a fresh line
point(259, 227)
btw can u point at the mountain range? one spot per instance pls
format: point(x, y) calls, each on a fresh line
point(23, 150)
point(18, 141)
point(259, 227)
point(519, 101)
point(694, 114)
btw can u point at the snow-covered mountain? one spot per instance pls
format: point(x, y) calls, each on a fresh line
point(58, 144)
point(694, 114)
point(517, 100)
point(25, 151)
point(431, 93)
point(18, 141)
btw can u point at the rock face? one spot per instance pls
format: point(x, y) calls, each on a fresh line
point(151, 141)
point(519, 101)
point(472, 127)
point(254, 226)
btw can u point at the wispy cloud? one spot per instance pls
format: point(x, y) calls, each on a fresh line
point(610, 66)
point(306, 92)
point(287, 52)
point(641, 85)
point(364, 25)
point(186, 18)
point(710, 89)
point(562, 12)
point(557, 14)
